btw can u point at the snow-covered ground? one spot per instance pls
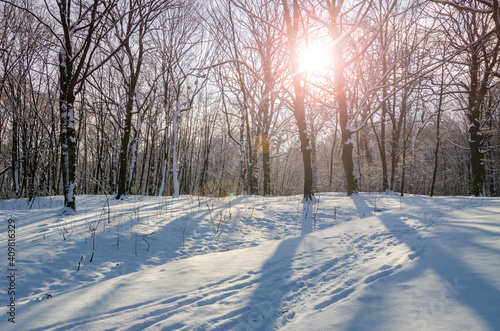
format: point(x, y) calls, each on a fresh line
point(367, 262)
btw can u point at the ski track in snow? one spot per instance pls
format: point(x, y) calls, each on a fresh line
point(242, 263)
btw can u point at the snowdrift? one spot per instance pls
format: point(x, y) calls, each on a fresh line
point(367, 262)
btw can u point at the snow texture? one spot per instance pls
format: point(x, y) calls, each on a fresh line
point(366, 262)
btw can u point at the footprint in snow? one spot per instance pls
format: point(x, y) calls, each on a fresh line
point(44, 297)
point(386, 271)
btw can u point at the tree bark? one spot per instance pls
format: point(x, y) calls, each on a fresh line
point(67, 113)
point(123, 157)
point(15, 152)
point(476, 136)
point(298, 101)
point(341, 96)
point(68, 145)
point(438, 135)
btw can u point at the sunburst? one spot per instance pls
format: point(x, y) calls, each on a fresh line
point(314, 59)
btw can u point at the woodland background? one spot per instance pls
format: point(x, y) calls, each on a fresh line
point(209, 97)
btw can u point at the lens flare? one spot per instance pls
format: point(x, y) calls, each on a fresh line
point(314, 59)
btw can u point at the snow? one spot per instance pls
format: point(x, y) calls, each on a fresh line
point(349, 142)
point(366, 262)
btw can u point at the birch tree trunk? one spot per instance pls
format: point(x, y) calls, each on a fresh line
point(176, 119)
point(165, 162)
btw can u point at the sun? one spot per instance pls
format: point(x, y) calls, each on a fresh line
point(314, 59)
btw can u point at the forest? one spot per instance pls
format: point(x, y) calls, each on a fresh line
point(229, 97)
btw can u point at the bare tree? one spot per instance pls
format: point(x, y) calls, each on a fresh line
point(139, 17)
point(182, 52)
point(472, 29)
point(81, 32)
point(25, 87)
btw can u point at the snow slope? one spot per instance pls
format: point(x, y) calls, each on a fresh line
point(367, 262)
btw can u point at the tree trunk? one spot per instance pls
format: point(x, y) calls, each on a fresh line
point(298, 102)
point(144, 158)
point(438, 135)
point(177, 117)
point(347, 142)
point(15, 152)
point(266, 109)
point(68, 146)
point(332, 153)
point(383, 154)
point(114, 162)
point(340, 87)
point(243, 166)
point(67, 122)
point(396, 134)
point(164, 166)
point(266, 164)
point(251, 180)
point(133, 152)
point(493, 185)
point(305, 148)
point(476, 136)
point(123, 157)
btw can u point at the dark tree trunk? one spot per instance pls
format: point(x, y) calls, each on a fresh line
point(123, 157)
point(341, 96)
point(394, 154)
point(305, 148)
point(438, 136)
point(298, 102)
point(251, 180)
point(397, 126)
point(332, 153)
point(143, 167)
point(67, 116)
point(15, 153)
point(347, 142)
point(70, 73)
point(476, 136)
point(382, 147)
point(383, 154)
point(266, 164)
point(68, 146)
point(265, 114)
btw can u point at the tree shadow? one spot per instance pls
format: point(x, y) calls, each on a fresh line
point(266, 307)
point(465, 285)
